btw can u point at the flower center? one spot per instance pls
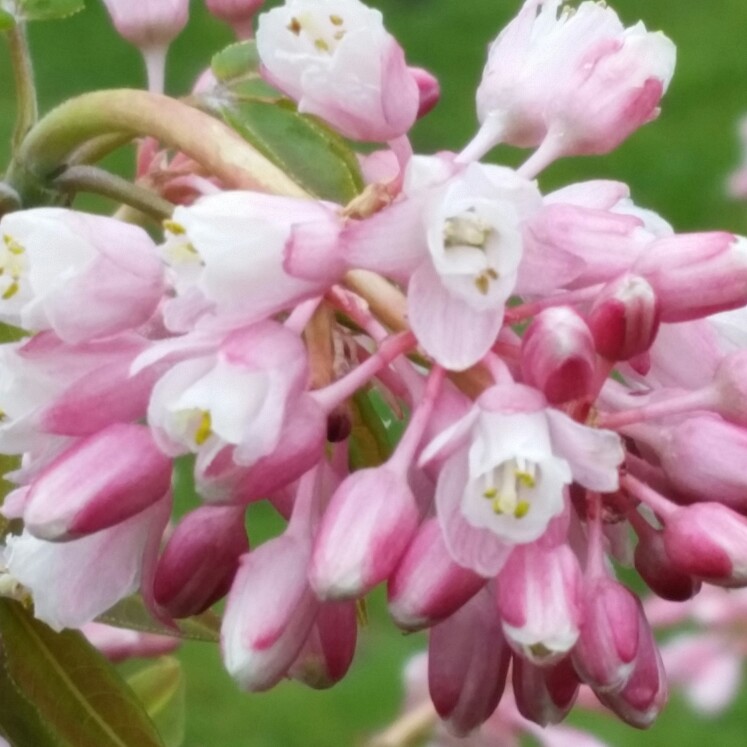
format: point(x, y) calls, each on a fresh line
point(508, 487)
point(325, 33)
point(468, 231)
point(13, 264)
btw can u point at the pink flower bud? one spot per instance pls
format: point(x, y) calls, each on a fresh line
point(544, 695)
point(539, 596)
point(328, 652)
point(708, 541)
point(703, 458)
point(269, 613)
point(624, 318)
point(645, 693)
point(697, 274)
point(557, 355)
point(658, 571)
point(608, 635)
point(428, 88)
point(98, 482)
point(199, 562)
point(230, 10)
point(427, 586)
point(467, 665)
point(148, 23)
point(363, 534)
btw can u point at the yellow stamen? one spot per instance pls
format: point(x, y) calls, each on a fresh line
point(204, 429)
point(491, 493)
point(321, 45)
point(336, 20)
point(11, 290)
point(522, 509)
point(526, 479)
point(173, 227)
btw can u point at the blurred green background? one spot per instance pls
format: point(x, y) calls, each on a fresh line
point(677, 166)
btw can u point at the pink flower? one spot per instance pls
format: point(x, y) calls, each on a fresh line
point(82, 276)
point(335, 58)
point(226, 255)
point(509, 462)
point(573, 82)
point(73, 582)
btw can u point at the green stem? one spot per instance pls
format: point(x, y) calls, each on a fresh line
point(23, 73)
point(91, 179)
point(220, 150)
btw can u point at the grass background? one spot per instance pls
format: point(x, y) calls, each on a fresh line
point(676, 166)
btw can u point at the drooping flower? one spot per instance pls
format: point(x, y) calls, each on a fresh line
point(336, 59)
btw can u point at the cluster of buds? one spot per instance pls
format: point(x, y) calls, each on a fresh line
point(574, 373)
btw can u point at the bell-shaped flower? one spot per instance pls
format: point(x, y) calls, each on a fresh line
point(98, 482)
point(226, 253)
point(75, 581)
point(509, 461)
point(236, 398)
point(336, 59)
point(50, 387)
point(82, 276)
point(200, 560)
point(573, 81)
point(456, 235)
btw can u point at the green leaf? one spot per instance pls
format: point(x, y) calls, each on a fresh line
point(307, 150)
point(236, 61)
point(160, 688)
point(61, 692)
point(9, 333)
point(131, 613)
point(45, 10)
point(7, 20)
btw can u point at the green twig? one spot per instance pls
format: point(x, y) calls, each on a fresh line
point(100, 182)
point(23, 72)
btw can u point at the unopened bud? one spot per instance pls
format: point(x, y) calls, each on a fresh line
point(557, 355)
point(544, 695)
point(708, 541)
point(428, 88)
point(427, 585)
point(148, 23)
point(624, 318)
point(697, 274)
point(237, 13)
point(200, 560)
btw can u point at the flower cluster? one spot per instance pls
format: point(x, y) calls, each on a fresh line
point(574, 373)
